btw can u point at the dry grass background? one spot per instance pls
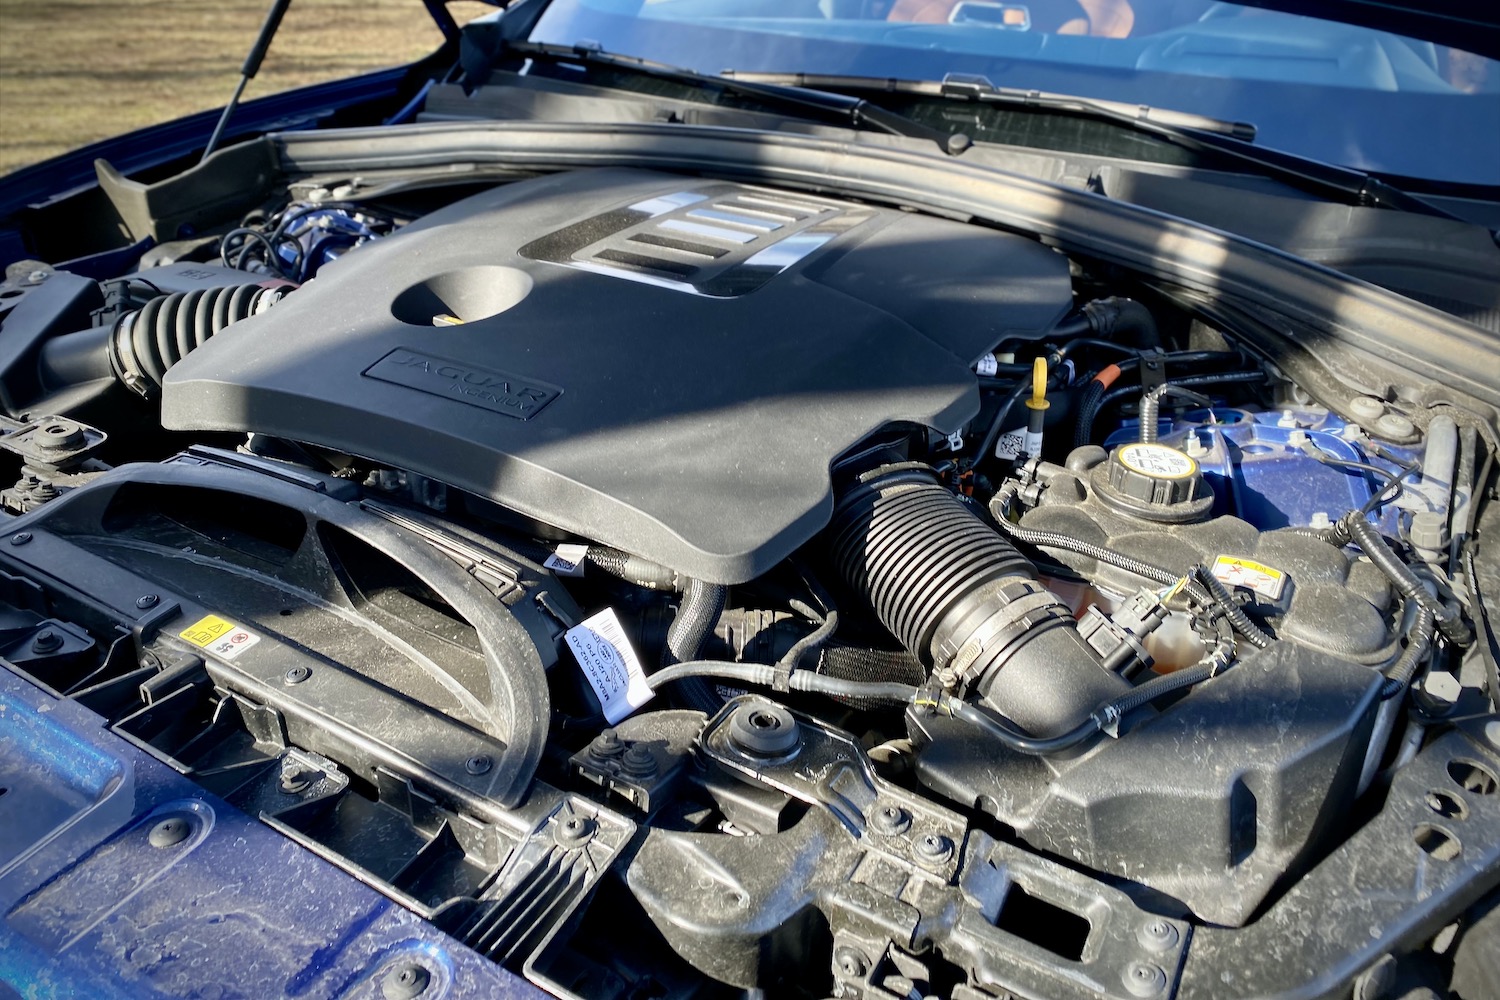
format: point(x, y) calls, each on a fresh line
point(76, 71)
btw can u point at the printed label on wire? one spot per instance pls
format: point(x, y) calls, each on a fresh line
point(567, 560)
point(1011, 443)
point(611, 666)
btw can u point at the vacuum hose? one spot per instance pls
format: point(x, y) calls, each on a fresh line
point(964, 601)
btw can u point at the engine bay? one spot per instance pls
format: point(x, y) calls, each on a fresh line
point(670, 586)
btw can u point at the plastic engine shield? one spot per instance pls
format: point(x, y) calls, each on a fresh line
point(668, 365)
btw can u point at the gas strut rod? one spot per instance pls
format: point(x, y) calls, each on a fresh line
point(249, 69)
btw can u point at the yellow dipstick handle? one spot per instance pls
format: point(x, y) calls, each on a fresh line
point(1037, 405)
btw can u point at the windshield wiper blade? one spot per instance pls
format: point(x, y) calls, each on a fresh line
point(964, 86)
point(855, 112)
point(1229, 140)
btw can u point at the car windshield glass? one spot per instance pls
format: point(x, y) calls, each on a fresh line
point(1349, 95)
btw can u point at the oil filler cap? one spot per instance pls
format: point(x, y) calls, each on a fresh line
point(1155, 482)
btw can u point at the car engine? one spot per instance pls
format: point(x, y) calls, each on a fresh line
point(679, 587)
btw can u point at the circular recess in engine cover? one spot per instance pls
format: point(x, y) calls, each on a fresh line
point(1155, 482)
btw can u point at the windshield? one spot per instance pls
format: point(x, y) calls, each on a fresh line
point(1355, 96)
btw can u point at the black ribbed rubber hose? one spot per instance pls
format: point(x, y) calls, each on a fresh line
point(702, 604)
point(168, 328)
point(963, 600)
point(1122, 318)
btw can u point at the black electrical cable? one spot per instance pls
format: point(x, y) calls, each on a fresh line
point(1485, 633)
point(1094, 396)
point(1219, 378)
point(1363, 534)
point(245, 236)
point(1379, 499)
point(1418, 644)
point(1242, 623)
point(1208, 595)
point(1088, 408)
point(987, 446)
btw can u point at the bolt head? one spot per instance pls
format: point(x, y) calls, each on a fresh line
point(405, 981)
point(1157, 934)
point(606, 746)
point(46, 641)
point(891, 820)
point(296, 675)
point(851, 964)
point(479, 764)
point(169, 832)
point(1143, 979)
point(933, 848)
point(147, 601)
point(575, 831)
point(20, 538)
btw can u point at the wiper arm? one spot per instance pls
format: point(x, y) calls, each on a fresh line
point(853, 111)
point(1198, 133)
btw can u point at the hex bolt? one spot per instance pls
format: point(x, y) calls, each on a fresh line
point(851, 963)
point(479, 764)
point(168, 832)
point(606, 746)
point(296, 778)
point(405, 981)
point(46, 641)
point(933, 848)
point(147, 601)
point(1157, 934)
point(1143, 979)
point(296, 675)
point(20, 538)
point(891, 820)
point(638, 762)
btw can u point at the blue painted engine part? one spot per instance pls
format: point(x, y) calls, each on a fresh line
point(316, 235)
point(1260, 469)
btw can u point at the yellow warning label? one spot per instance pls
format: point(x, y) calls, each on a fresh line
point(1237, 571)
point(206, 629)
point(224, 639)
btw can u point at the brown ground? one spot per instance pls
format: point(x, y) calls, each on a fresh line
point(75, 71)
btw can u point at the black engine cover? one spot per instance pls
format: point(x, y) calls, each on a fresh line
point(669, 365)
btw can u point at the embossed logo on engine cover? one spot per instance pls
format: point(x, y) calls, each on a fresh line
point(500, 392)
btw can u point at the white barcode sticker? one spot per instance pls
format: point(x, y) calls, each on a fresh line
point(567, 560)
point(611, 666)
point(1010, 444)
